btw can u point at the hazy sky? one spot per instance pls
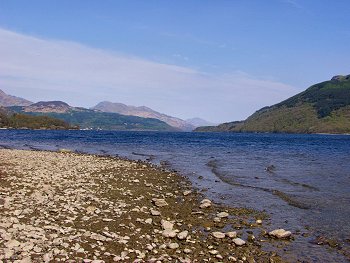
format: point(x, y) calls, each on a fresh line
point(219, 60)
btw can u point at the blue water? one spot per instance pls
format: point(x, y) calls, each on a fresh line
point(306, 188)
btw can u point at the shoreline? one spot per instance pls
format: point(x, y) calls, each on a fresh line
point(152, 214)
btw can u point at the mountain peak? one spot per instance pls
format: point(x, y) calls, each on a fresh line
point(341, 78)
point(8, 100)
point(142, 111)
point(49, 106)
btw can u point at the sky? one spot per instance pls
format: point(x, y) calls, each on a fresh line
point(219, 60)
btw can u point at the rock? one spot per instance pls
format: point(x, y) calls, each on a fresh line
point(280, 233)
point(259, 221)
point(222, 215)
point(64, 150)
point(47, 257)
point(155, 212)
point(238, 242)
point(167, 225)
point(90, 209)
point(205, 203)
point(26, 260)
point(213, 252)
point(12, 243)
point(148, 221)
point(159, 202)
point(169, 233)
point(218, 235)
point(217, 219)
point(232, 234)
point(187, 192)
point(182, 235)
point(173, 245)
point(187, 251)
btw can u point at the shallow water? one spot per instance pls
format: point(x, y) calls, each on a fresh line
point(306, 186)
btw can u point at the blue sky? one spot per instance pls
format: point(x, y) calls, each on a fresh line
point(219, 60)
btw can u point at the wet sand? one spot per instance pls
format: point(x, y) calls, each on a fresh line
point(68, 207)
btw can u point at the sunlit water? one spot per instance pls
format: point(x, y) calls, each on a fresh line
point(306, 187)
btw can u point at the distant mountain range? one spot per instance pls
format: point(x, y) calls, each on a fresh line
point(105, 115)
point(91, 119)
point(197, 122)
point(322, 108)
point(143, 112)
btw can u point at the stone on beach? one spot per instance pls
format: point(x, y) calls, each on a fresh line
point(231, 234)
point(167, 225)
point(159, 202)
point(155, 212)
point(185, 193)
point(182, 235)
point(205, 203)
point(238, 241)
point(12, 243)
point(169, 233)
point(173, 245)
point(222, 214)
point(280, 233)
point(218, 235)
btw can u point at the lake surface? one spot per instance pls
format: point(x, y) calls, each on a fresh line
point(302, 181)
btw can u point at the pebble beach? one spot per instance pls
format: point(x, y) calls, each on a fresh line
point(69, 207)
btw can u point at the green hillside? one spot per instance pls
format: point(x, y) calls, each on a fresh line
point(90, 119)
point(322, 108)
point(21, 121)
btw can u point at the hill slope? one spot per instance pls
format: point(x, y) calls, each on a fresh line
point(19, 121)
point(322, 108)
point(144, 112)
point(8, 100)
point(91, 119)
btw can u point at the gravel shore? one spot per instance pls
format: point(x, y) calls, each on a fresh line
point(68, 207)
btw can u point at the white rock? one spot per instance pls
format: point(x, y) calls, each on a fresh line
point(205, 203)
point(259, 221)
point(169, 233)
point(238, 241)
point(213, 252)
point(187, 251)
point(222, 215)
point(232, 234)
point(280, 233)
point(26, 260)
point(173, 245)
point(12, 243)
point(167, 224)
point(159, 202)
point(148, 221)
point(187, 192)
point(155, 212)
point(218, 235)
point(182, 235)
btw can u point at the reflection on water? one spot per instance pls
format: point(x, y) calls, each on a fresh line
point(303, 181)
